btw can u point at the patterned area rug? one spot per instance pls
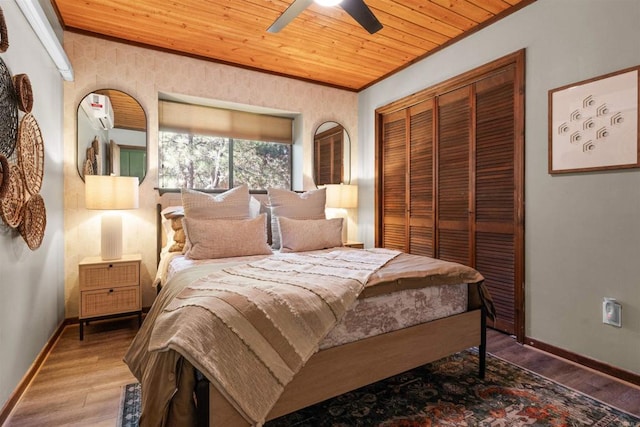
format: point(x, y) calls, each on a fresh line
point(130, 405)
point(447, 393)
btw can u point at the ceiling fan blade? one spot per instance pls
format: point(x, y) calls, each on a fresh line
point(289, 14)
point(361, 13)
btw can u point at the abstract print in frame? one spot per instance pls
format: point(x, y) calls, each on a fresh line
point(593, 124)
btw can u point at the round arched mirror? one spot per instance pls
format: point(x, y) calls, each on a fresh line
point(112, 135)
point(331, 154)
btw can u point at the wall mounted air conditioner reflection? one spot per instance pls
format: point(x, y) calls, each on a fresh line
point(98, 108)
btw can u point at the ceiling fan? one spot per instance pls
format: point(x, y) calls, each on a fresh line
point(356, 8)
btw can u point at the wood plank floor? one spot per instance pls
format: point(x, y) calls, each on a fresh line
point(80, 382)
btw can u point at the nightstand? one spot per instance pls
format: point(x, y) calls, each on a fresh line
point(355, 245)
point(109, 288)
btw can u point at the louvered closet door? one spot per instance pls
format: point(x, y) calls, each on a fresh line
point(453, 177)
point(328, 149)
point(496, 167)
point(394, 172)
point(421, 179)
point(324, 171)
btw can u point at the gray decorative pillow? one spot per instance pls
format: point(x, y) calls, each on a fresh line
point(232, 204)
point(225, 238)
point(289, 204)
point(298, 235)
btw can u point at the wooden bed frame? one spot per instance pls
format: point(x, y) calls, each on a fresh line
point(343, 368)
point(340, 369)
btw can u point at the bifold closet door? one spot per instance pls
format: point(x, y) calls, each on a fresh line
point(421, 182)
point(498, 163)
point(478, 162)
point(454, 240)
point(407, 180)
point(394, 181)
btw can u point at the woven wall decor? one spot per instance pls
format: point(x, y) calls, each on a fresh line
point(34, 222)
point(31, 153)
point(8, 112)
point(22, 86)
point(4, 175)
point(4, 36)
point(88, 168)
point(13, 201)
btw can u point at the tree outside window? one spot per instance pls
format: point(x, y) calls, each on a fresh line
point(216, 163)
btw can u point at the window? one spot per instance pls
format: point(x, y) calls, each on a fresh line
point(212, 162)
point(208, 148)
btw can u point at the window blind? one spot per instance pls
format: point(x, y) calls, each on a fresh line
point(198, 119)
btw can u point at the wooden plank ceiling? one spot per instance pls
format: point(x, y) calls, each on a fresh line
point(322, 45)
point(130, 114)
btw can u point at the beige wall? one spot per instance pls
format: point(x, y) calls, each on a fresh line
point(143, 73)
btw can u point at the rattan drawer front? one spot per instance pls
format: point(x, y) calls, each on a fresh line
point(109, 275)
point(110, 301)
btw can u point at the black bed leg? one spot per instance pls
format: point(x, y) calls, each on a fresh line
point(202, 398)
point(482, 349)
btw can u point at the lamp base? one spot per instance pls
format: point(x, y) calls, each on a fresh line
point(111, 238)
point(340, 213)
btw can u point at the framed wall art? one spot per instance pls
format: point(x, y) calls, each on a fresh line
point(593, 124)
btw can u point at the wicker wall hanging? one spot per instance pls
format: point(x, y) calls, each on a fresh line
point(4, 36)
point(91, 163)
point(22, 86)
point(4, 175)
point(88, 168)
point(31, 153)
point(13, 201)
point(34, 222)
point(8, 112)
point(28, 215)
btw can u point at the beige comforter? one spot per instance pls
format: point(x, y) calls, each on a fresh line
point(289, 302)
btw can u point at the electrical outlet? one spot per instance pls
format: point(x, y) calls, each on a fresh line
point(611, 312)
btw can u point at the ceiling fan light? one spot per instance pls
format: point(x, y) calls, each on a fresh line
point(328, 2)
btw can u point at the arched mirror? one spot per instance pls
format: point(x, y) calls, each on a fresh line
point(112, 135)
point(331, 154)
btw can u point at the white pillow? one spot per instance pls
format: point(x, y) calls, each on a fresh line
point(297, 235)
point(225, 238)
point(254, 207)
point(232, 204)
point(289, 204)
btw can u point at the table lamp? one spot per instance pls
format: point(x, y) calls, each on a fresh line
point(342, 197)
point(111, 193)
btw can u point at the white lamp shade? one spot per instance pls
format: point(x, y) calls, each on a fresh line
point(111, 192)
point(343, 196)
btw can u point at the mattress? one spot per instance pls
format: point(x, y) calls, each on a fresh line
point(379, 310)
